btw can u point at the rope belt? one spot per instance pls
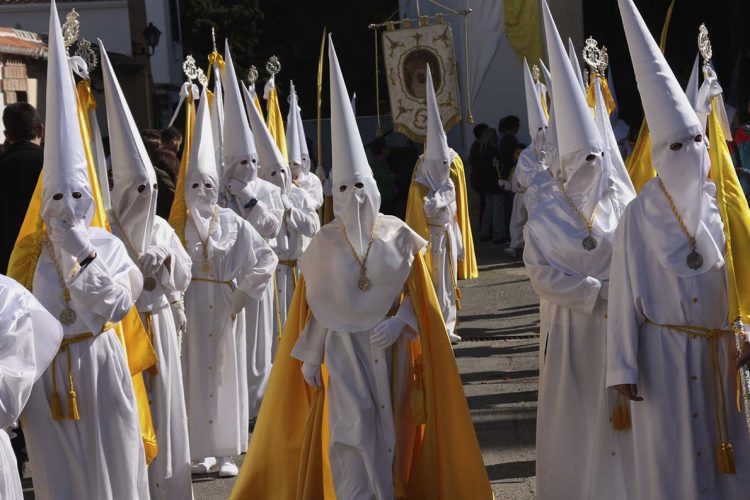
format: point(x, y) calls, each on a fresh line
point(55, 404)
point(724, 450)
point(291, 264)
point(215, 282)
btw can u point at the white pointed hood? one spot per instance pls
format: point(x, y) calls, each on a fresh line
point(305, 153)
point(240, 156)
point(681, 163)
point(273, 167)
point(575, 63)
point(694, 82)
point(436, 161)
point(293, 146)
point(134, 188)
point(534, 111)
point(356, 199)
point(65, 167)
point(579, 144)
point(202, 178)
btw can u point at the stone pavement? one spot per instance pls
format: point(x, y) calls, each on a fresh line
point(499, 365)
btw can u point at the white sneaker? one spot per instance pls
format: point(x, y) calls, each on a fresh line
point(455, 339)
point(227, 467)
point(203, 466)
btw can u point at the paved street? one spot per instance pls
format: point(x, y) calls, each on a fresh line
point(499, 366)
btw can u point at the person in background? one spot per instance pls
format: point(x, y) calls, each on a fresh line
point(152, 141)
point(384, 176)
point(474, 178)
point(165, 164)
point(20, 166)
point(171, 139)
point(493, 178)
point(508, 129)
point(519, 214)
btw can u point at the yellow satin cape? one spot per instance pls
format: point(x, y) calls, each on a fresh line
point(23, 261)
point(415, 218)
point(178, 212)
point(438, 456)
point(735, 214)
point(276, 122)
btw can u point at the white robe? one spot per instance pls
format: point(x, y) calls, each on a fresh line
point(100, 456)
point(312, 185)
point(361, 422)
point(169, 474)
point(258, 316)
point(674, 427)
point(22, 359)
point(578, 450)
point(215, 375)
point(299, 223)
point(446, 249)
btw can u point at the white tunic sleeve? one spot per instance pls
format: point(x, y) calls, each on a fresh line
point(575, 292)
point(109, 285)
point(264, 219)
point(256, 261)
point(439, 199)
point(302, 216)
point(623, 318)
point(29, 339)
point(310, 345)
point(176, 279)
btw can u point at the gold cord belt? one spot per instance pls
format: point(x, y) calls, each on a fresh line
point(291, 264)
point(215, 282)
point(55, 404)
point(724, 450)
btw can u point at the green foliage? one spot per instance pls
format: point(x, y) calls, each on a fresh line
point(237, 20)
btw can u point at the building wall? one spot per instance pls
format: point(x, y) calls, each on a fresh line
point(98, 20)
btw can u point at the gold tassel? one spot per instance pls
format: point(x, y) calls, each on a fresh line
point(621, 415)
point(72, 403)
point(725, 458)
point(56, 406)
point(73, 406)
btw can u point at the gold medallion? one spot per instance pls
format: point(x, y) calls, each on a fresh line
point(206, 266)
point(68, 316)
point(694, 260)
point(589, 243)
point(149, 283)
point(363, 283)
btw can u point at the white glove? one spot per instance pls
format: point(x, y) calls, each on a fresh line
point(153, 259)
point(386, 333)
point(239, 301)
point(504, 184)
point(178, 313)
point(73, 239)
point(604, 290)
point(311, 374)
point(243, 191)
point(286, 202)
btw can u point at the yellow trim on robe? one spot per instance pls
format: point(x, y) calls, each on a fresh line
point(435, 446)
point(178, 212)
point(22, 267)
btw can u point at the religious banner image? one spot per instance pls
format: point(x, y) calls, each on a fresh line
point(407, 52)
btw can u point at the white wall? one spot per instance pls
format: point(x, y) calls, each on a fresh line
point(106, 20)
point(166, 63)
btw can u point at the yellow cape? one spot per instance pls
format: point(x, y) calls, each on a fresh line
point(23, 260)
point(276, 122)
point(415, 218)
point(438, 455)
point(178, 212)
